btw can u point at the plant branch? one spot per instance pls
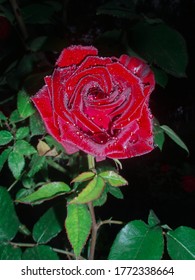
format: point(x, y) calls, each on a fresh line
point(19, 18)
point(109, 222)
point(31, 245)
point(93, 232)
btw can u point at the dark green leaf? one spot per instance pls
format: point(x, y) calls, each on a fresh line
point(161, 77)
point(91, 192)
point(153, 220)
point(85, 176)
point(41, 252)
point(137, 241)
point(47, 191)
point(161, 45)
point(159, 137)
point(174, 137)
point(36, 125)
point(9, 222)
point(47, 227)
point(15, 117)
point(37, 43)
point(78, 226)
point(16, 163)
point(9, 252)
point(121, 9)
point(3, 157)
point(37, 13)
point(116, 192)
point(25, 108)
point(25, 65)
point(2, 117)
point(5, 137)
point(101, 200)
point(24, 230)
point(24, 148)
point(36, 164)
point(181, 243)
point(22, 132)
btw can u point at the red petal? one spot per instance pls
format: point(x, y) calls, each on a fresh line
point(42, 102)
point(74, 55)
point(141, 70)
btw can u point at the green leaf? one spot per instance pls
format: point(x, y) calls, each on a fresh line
point(161, 77)
point(36, 164)
point(24, 230)
point(159, 137)
point(78, 225)
point(91, 192)
point(153, 220)
point(48, 226)
point(161, 45)
point(101, 200)
point(24, 148)
point(9, 222)
point(5, 137)
point(3, 157)
point(174, 137)
point(36, 125)
point(47, 191)
point(181, 243)
point(37, 13)
point(37, 43)
point(85, 176)
point(121, 9)
point(15, 117)
point(22, 132)
point(16, 163)
point(137, 241)
point(116, 192)
point(2, 116)
point(25, 108)
point(113, 178)
point(9, 252)
point(41, 252)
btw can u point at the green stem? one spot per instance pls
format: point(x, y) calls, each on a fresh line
point(91, 162)
point(31, 245)
point(93, 232)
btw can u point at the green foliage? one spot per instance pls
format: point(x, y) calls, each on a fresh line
point(91, 192)
point(78, 225)
point(48, 226)
point(9, 252)
point(46, 192)
point(113, 178)
point(9, 222)
point(174, 137)
point(25, 108)
point(41, 252)
point(161, 45)
point(5, 137)
point(137, 241)
point(16, 163)
point(181, 243)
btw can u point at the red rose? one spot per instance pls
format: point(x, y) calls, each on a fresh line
point(5, 28)
point(98, 104)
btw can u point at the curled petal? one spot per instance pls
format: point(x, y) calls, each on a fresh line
point(74, 55)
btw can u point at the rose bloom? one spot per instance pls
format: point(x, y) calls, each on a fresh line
point(98, 104)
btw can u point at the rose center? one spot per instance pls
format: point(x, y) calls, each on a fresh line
point(96, 93)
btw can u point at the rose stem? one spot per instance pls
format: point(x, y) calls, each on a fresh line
point(91, 165)
point(19, 18)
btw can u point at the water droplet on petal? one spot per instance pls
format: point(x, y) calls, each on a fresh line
point(133, 139)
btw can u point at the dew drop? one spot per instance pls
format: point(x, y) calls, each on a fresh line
point(81, 137)
point(77, 133)
point(134, 138)
point(150, 116)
